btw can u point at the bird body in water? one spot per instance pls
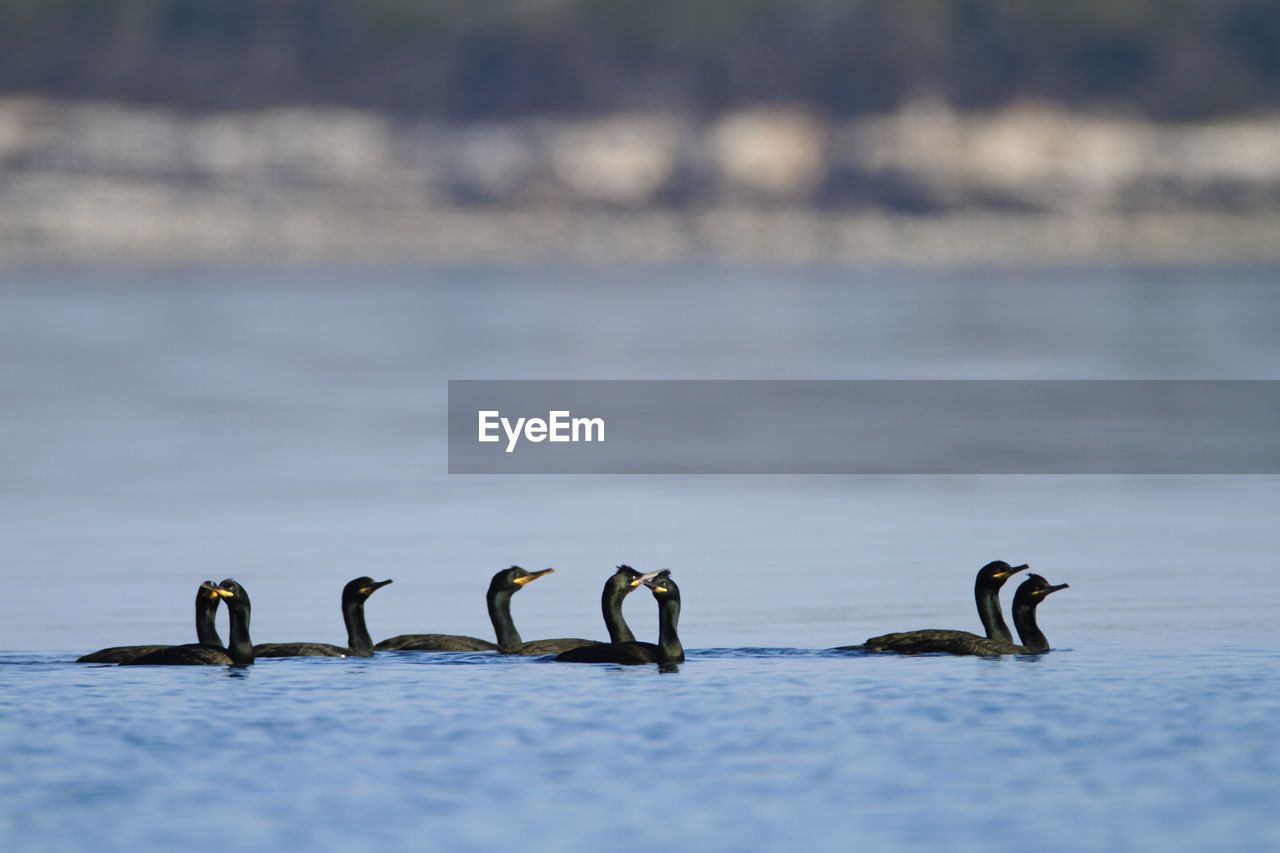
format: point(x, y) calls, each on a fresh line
point(239, 651)
point(206, 632)
point(1028, 596)
point(359, 644)
point(666, 651)
point(504, 584)
point(986, 594)
point(435, 643)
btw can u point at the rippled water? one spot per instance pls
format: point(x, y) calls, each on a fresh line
point(1093, 748)
point(286, 429)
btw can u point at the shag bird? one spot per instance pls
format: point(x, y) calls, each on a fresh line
point(616, 588)
point(986, 593)
point(668, 649)
point(239, 652)
point(1030, 593)
point(206, 632)
point(505, 584)
point(359, 644)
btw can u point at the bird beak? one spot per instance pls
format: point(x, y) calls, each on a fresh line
point(650, 579)
point(1056, 588)
point(524, 579)
point(366, 590)
point(217, 590)
point(1013, 570)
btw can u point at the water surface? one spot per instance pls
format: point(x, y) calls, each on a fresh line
point(287, 429)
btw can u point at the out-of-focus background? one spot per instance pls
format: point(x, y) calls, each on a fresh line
point(926, 132)
point(244, 244)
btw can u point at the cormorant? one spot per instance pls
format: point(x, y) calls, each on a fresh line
point(668, 649)
point(616, 588)
point(359, 644)
point(239, 652)
point(1029, 594)
point(986, 593)
point(206, 632)
point(498, 599)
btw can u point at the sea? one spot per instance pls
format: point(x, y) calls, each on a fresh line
point(287, 428)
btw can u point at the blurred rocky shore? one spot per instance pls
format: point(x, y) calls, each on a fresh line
point(85, 183)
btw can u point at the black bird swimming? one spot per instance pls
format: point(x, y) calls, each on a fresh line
point(504, 584)
point(239, 652)
point(986, 593)
point(1030, 593)
point(359, 644)
point(668, 649)
point(206, 632)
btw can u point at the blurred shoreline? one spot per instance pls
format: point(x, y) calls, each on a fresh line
point(105, 184)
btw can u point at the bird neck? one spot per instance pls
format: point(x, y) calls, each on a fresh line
point(669, 648)
point(500, 615)
point(241, 647)
point(358, 639)
point(611, 605)
point(206, 622)
point(988, 599)
point(1024, 619)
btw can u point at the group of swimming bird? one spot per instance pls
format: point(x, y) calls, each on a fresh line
point(621, 648)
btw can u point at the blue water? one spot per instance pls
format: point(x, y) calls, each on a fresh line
point(1098, 748)
point(285, 429)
